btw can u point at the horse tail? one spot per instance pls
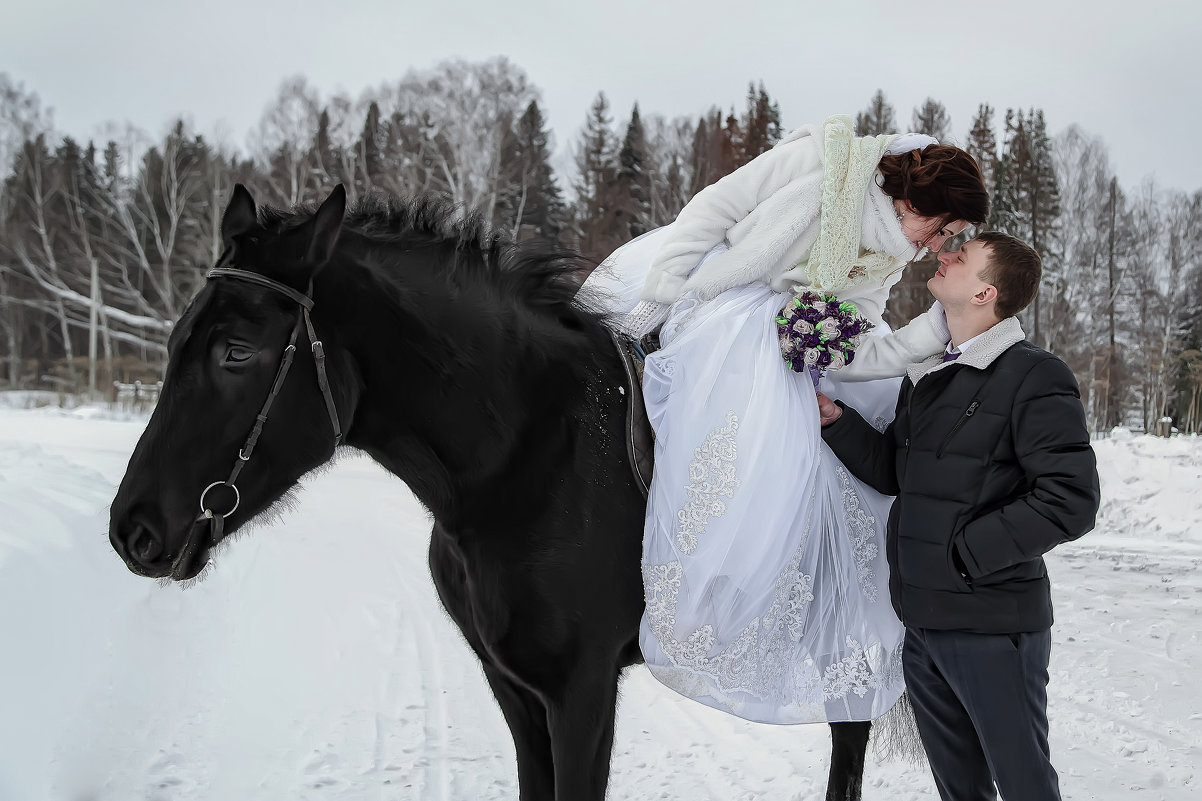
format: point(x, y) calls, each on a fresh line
point(895, 734)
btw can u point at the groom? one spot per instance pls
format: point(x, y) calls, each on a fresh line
point(990, 460)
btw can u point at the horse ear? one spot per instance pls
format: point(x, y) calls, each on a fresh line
point(327, 224)
point(239, 216)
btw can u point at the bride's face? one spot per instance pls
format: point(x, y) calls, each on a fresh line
point(927, 232)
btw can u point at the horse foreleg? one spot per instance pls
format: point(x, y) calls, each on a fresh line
point(524, 712)
point(527, 719)
point(849, 742)
point(582, 735)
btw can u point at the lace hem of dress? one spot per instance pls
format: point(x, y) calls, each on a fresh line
point(764, 661)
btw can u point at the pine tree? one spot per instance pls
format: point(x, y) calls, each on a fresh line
point(717, 144)
point(1005, 214)
point(1043, 215)
point(530, 198)
point(371, 146)
point(1027, 196)
point(596, 165)
point(761, 123)
point(632, 191)
point(931, 118)
point(877, 118)
point(701, 161)
point(730, 146)
point(775, 130)
point(1045, 186)
point(982, 143)
point(112, 165)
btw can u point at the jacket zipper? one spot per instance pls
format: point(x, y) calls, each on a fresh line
point(969, 412)
point(910, 415)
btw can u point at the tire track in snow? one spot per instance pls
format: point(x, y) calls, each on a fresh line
point(423, 642)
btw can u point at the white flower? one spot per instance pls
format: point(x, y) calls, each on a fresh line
point(811, 355)
point(836, 360)
point(803, 327)
point(819, 306)
point(829, 326)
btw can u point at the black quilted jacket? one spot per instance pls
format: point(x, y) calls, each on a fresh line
point(991, 463)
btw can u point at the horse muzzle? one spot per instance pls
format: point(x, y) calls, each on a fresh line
point(143, 547)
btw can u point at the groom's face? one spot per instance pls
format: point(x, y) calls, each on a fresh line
point(958, 278)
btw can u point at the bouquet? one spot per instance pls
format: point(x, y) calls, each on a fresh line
point(819, 333)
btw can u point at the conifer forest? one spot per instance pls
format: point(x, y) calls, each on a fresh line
point(103, 243)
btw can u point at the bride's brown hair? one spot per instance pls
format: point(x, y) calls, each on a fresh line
point(940, 181)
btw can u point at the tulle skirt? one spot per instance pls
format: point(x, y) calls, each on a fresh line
point(763, 557)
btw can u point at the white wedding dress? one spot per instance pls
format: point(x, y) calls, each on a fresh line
point(763, 557)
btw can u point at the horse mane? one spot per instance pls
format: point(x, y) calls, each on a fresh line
point(537, 274)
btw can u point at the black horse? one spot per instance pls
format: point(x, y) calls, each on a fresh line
point(462, 364)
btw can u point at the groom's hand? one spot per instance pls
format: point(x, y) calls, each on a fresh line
point(828, 410)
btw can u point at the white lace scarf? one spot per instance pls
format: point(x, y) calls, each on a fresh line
point(860, 243)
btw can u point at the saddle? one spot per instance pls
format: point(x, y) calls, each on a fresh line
point(640, 438)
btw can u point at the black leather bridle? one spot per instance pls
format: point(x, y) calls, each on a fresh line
point(305, 301)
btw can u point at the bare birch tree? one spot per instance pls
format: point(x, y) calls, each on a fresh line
point(1083, 166)
point(283, 139)
point(463, 110)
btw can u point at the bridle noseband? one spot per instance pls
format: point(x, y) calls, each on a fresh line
point(305, 301)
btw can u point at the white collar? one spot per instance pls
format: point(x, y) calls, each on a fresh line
point(880, 230)
point(991, 344)
point(965, 345)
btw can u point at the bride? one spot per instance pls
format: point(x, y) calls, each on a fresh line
point(763, 557)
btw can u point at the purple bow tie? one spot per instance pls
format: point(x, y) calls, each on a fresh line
point(951, 357)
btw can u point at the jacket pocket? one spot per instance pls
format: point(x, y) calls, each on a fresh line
point(959, 581)
point(969, 412)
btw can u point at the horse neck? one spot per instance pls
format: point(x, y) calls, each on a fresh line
point(468, 406)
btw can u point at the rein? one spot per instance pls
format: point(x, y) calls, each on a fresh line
point(305, 301)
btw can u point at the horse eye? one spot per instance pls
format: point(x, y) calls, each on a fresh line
point(237, 354)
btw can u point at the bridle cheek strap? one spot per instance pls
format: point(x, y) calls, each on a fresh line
point(305, 301)
point(323, 381)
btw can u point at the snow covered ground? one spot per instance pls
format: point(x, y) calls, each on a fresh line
point(314, 662)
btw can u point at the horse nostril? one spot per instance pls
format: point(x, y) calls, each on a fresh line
point(143, 546)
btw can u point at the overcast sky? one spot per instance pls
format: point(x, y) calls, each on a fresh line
point(1125, 71)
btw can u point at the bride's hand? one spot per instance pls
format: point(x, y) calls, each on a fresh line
point(828, 410)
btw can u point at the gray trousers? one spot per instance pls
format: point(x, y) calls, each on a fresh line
point(981, 702)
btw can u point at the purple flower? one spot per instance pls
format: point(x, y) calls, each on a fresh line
point(819, 333)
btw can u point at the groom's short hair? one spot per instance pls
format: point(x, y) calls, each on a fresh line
point(1014, 269)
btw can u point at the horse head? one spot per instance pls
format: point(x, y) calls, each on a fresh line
point(241, 416)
